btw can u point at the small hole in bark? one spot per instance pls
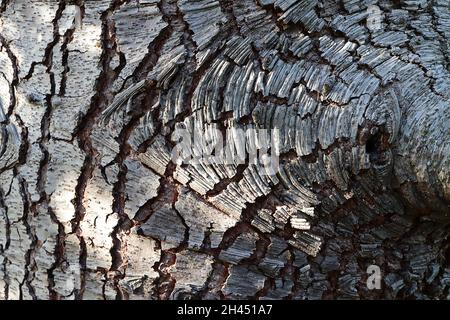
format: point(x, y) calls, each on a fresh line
point(376, 146)
point(374, 143)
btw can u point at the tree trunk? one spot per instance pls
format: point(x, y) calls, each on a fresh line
point(94, 95)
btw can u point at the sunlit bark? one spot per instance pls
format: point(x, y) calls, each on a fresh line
point(92, 94)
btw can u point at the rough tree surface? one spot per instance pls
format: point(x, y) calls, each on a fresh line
point(92, 207)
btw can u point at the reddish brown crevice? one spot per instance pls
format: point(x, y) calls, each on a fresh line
point(231, 235)
point(119, 190)
point(145, 102)
point(12, 86)
point(165, 284)
point(43, 166)
point(225, 182)
point(59, 256)
point(215, 282)
point(166, 193)
point(68, 37)
point(262, 244)
point(30, 263)
point(269, 284)
point(83, 130)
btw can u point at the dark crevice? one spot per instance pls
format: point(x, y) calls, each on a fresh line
point(84, 129)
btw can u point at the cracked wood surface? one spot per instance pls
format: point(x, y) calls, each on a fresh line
point(91, 206)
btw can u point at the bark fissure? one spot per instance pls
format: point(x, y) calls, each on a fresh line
point(93, 205)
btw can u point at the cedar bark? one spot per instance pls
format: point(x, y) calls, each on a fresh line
point(91, 93)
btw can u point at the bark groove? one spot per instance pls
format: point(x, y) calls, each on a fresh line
point(93, 93)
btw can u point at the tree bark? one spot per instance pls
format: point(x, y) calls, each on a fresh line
point(92, 94)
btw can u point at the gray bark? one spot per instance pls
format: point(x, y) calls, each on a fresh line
point(92, 207)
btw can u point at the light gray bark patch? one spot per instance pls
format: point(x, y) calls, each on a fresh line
point(243, 283)
point(92, 205)
point(242, 248)
point(160, 222)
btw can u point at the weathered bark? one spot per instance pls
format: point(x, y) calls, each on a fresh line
point(92, 207)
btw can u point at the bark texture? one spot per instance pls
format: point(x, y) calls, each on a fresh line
point(91, 207)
